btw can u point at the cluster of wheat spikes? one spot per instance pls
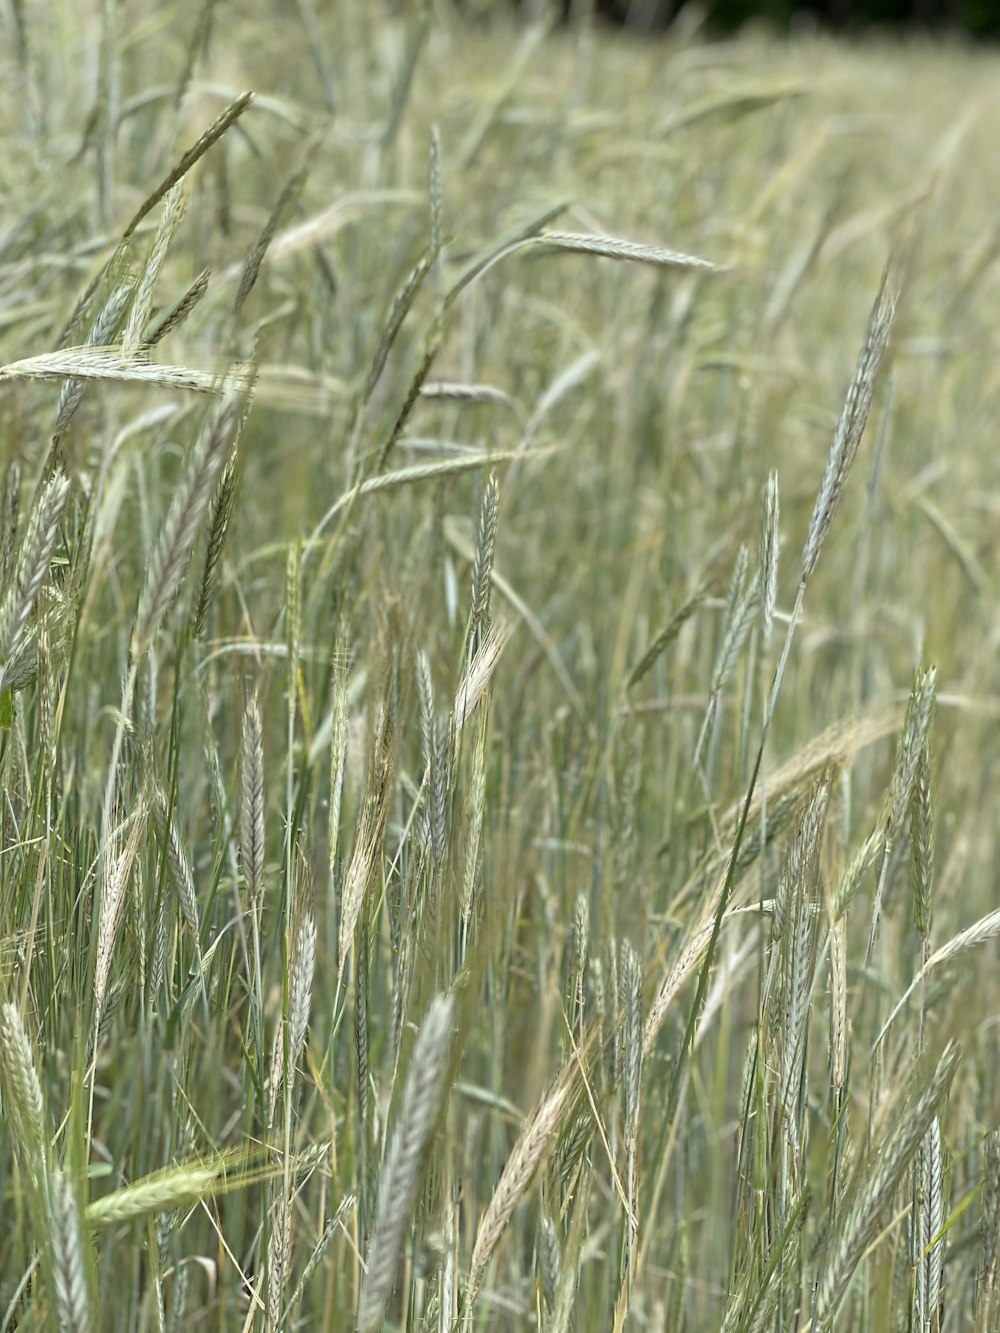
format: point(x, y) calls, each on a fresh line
point(466, 857)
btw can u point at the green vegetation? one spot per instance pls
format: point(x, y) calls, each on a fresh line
point(496, 800)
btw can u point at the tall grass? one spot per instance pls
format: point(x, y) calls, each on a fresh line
point(497, 678)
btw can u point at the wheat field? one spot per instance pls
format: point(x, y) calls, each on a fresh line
point(498, 687)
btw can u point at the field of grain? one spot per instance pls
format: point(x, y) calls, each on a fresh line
point(498, 676)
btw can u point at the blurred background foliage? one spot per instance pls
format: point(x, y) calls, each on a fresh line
point(978, 19)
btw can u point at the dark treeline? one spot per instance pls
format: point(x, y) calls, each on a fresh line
point(976, 18)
